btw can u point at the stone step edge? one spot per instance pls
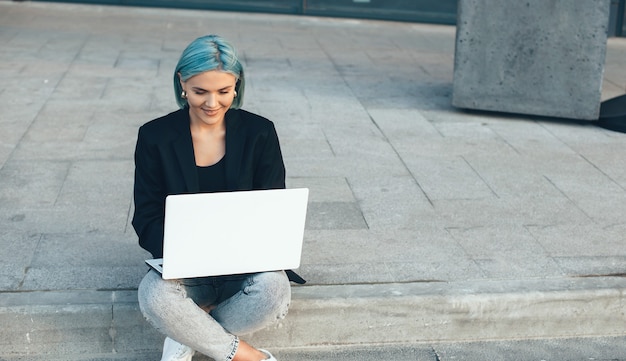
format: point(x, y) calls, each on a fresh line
point(97, 321)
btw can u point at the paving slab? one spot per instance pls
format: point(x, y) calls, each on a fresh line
point(426, 222)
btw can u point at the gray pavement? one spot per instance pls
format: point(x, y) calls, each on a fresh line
point(426, 223)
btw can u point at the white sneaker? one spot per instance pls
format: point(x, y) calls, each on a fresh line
point(174, 351)
point(269, 355)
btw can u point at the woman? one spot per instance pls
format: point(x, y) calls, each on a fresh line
point(208, 145)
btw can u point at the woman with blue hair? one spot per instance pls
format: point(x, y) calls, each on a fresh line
point(208, 145)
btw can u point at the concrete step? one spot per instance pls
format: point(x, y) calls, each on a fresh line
point(108, 324)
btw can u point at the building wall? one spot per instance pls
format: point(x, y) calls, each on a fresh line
point(427, 11)
point(431, 11)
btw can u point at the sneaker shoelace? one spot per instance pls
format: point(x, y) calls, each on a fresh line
point(182, 351)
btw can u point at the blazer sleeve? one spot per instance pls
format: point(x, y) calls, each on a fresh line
point(270, 174)
point(270, 168)
point(149, 196)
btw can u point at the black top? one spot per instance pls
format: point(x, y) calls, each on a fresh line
point(212, 178)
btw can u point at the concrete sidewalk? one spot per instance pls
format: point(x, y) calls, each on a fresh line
point(426, 223)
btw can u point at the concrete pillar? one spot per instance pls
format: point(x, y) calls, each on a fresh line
point(539, 57)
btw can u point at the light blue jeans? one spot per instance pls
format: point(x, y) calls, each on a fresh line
point(241, 304)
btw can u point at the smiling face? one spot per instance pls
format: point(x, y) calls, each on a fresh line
point(209, 95)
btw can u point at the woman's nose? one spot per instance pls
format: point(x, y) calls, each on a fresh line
point(210, 101)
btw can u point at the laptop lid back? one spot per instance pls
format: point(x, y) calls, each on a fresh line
point(211, 234)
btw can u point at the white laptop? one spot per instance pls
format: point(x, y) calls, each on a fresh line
point(212, 234)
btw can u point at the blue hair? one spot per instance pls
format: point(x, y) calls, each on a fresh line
point(206, 53)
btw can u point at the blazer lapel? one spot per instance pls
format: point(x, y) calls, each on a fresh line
point(234, 148)
point(183, 147)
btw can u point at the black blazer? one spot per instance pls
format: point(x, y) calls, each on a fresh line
point(165, 164)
